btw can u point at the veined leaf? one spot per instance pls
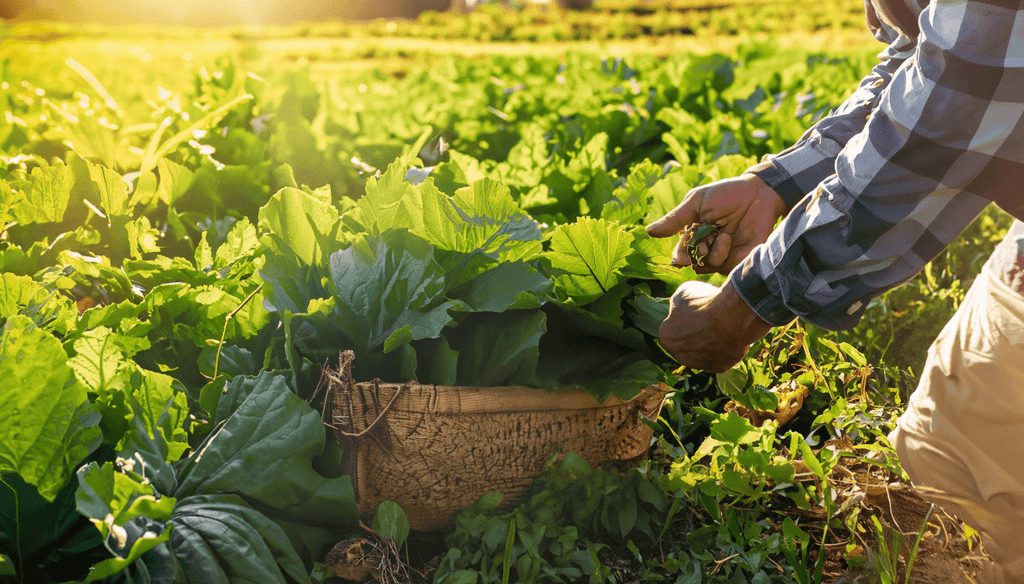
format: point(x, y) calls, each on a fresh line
point(589, 159)
point(263, 449)
point(482, 218)
point(162, 409)
point(23, 295)
point(582, 350)
point(499, 349)
point(151, 158)
point(175, 181)
point(494, 222)
point(109, 497)
point(118, 505)
point(51, 191)
point(647, 312)
point(390, 521)
point(142, 237)
point(306, 222)
point(588, 257)
point(98, 361)
point(504, 286)
point(38, 529)
point(384, 285)
point(391, 202)
point(240, 242)
point(112, 188)
point(47, 433)
point(220, 539)
point(628, 203)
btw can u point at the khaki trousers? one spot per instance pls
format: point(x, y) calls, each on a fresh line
point(961, 439)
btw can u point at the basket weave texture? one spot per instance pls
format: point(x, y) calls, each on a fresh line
point(437, 449)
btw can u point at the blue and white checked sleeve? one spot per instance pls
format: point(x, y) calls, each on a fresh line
point(799, 169)
point(944, 138)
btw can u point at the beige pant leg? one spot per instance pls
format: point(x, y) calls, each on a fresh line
point(961, 439)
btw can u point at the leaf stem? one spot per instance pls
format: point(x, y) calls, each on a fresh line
point(227, 321)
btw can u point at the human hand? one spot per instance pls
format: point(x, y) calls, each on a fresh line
point(745, 207)
point(709, 328)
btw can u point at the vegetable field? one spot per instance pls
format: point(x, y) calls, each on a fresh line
point(192, 228)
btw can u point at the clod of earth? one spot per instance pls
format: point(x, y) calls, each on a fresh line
point(354, 559)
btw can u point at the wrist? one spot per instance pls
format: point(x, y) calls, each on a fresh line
point(778, 182)
point(766, 193)
point(745, 325)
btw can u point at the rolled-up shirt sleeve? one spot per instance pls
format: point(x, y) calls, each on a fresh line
point(799, 169)
point(944, 139)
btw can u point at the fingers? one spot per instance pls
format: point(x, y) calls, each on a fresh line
point(681, 255)
point(719, 251)
point(677, 219)
point(716, 260)
point(713, 363)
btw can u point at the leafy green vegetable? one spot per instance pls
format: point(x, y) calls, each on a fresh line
point(304, 221)
point(50, 428)
point(51, 191)
point(111, 500)
point(588, 257)
point(389, 292)
point(263, 448)
point(499, 349)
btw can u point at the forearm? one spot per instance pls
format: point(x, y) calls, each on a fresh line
point(944, 140)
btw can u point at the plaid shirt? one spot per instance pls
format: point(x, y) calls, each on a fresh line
point(880, 186)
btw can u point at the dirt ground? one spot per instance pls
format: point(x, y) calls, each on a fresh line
point(945, 555)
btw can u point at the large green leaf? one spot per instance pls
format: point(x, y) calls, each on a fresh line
point(161, 408)
point(391, 202)
point(306, 222)
point(50, 540)
point(647, 312)
point(99, 360)
point(505, 286)
point(110, 498)
point(112, 188)
point(585, 351)
point(241, 243)
point(221, 539)
point(480, 218)
point(588, 257)
point(389, 291)
point(174, 181)
point(51, 191)
point(23, 295)
point(494, 222)
point(47, 433)
point(499, 349)
point(263, 448)
point(629, 203)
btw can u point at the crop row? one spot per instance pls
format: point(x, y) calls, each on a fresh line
point(178, 267)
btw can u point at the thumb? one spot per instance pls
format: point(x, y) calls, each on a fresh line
point(679, 218)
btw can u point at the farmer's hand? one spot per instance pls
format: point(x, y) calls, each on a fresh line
point(709, 328)
point(745, 207)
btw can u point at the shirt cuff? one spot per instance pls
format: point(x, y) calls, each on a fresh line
point(758, 296)
point(795, 171)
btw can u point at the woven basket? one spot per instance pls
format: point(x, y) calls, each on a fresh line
point(437, 449)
